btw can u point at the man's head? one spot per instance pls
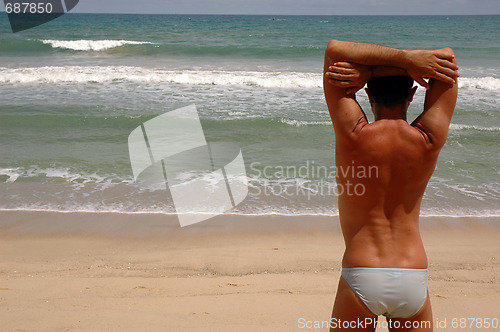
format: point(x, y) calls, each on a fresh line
point(391, 91)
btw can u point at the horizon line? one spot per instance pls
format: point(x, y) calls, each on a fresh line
point(212, 14)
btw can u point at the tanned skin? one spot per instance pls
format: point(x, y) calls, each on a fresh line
point(381, 226)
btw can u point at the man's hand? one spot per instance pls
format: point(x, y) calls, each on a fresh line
point(437, 64)
point(351, 76)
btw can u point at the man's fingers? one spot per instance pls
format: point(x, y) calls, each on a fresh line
point(445, 53)
point(344, 75)
point(340, 69)
point(445, 56)
point(333, 76)
point(447, 64)
point(450, 73)
point(445, 78)
point(339, 83)
point(338, 76)
point(343, 64)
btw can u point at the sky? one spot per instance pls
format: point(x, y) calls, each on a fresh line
point(292, 7)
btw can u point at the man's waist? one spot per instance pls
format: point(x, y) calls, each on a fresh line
point(411, 256)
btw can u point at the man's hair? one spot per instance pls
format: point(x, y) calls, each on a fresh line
point(390, 91)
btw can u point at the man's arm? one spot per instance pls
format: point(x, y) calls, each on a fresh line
point(439, 106)
point(419, 64)
point(345, 112)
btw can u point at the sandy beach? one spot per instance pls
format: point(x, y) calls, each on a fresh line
point(137, 272)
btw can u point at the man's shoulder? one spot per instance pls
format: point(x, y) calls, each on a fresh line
point(387, 128)
point(392, 133)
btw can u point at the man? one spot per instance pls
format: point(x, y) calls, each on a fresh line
point(384, 268)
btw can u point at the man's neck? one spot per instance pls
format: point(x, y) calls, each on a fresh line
point(385, 113)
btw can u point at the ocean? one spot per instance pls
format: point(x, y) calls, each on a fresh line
point(72, 90)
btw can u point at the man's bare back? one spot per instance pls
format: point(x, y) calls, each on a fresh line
point(389, 162)
point(381, 226)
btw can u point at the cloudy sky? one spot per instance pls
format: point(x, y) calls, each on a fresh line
point(292, 7)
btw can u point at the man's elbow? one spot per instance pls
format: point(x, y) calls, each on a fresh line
point(332, 43)
point(332, 47)
point(449, 49)
point(332, 51)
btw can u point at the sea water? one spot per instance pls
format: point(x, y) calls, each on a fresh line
point(72, 90)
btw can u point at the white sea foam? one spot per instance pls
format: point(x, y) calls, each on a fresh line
point(457, 126)
point(90, 45)
point(264, 211)
point(480, 83)
point(265, 79)
point(300, 123)
point(97, 74)
point(65, 174)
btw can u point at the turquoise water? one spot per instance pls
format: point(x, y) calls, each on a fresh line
point(72, 90)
